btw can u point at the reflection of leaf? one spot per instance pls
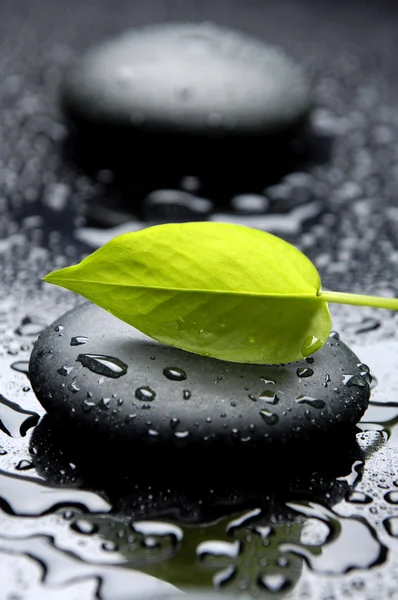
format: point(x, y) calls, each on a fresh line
point(215, 289)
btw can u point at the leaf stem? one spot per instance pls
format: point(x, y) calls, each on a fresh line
point(360, 300)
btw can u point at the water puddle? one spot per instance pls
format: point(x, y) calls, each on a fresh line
point(14, 420)
point(350, 544)
point(31, 496)
point(62, 569)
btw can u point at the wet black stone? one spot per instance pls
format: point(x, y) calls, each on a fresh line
point(196, 79)
point(228, 407)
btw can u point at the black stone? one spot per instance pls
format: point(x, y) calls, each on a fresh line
point(188, 78)
point(210, 404)
point(186, 98)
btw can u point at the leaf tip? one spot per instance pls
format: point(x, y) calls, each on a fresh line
point(49, 277)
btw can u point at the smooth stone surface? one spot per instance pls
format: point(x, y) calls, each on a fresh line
point(188, 78)
point(122, 386)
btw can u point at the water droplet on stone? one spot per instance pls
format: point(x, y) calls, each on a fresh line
point(269, 417)
point(334, 335)
point(174, 423)
point(59, 329)
point(174, 373)
point(314, 402)
point(145, 393)
point(269, 397)
point(181, 434)
point(186, 394)
point(354, 380)
point(79, 340)
point(73, 387)
point(64, 371)
point(88, 405)
point(103, 365)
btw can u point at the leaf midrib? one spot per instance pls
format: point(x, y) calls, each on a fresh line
point(307, 296)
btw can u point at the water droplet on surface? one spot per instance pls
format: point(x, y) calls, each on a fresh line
point(174, 423)
point(269, 397)
point(59, 329)
point(109, 547)
point(275, 582)
point(181, 434)
point(174, 373)
point(103, 365)
point(78, 340)
point(153, 432)
point(310, 345)
point(105, 402)
point(357, 497)
point(224, 577)
point(29, 328)
point(304, 372)
point(24, 465)
point(73, 387)
point(145, 393)
point(84, 527)
point(14, 420)
point(334, 335)
point(64, 371)
point(268, 381)
point(21, 366)
point(391, 526)
point(314, 402)
point(216, 548)
point(186, 394)
point(88, 405)
point(391, 497)
point(354, 380)
point(269, 417)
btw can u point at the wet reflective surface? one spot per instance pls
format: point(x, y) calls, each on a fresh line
point(80, 525)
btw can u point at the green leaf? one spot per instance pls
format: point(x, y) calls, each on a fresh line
point(216, 289)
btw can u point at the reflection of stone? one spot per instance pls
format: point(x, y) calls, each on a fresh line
point(188, 527)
